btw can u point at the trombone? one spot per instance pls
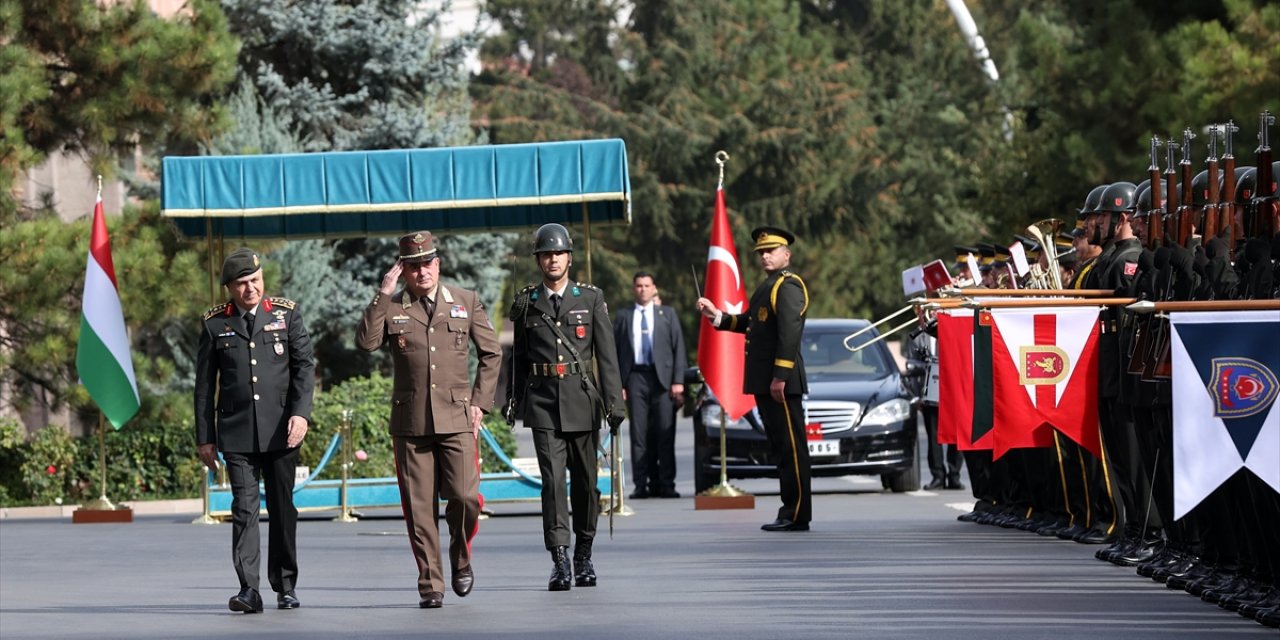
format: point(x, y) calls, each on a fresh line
point(910, 307)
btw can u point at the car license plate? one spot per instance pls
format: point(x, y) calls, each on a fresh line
point(824, 448)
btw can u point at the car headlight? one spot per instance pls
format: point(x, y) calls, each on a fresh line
point(887, 413)
point(711, 413)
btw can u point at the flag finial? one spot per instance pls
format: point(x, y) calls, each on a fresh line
point(99, 186)
point(722, 157)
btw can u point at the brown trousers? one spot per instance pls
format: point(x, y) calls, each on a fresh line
point(430, 469)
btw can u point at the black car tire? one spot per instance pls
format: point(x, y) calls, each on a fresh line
point(908, 479)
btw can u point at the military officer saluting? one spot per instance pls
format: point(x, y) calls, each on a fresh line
point(774, 370)
point(561, 327)
point(254, 378)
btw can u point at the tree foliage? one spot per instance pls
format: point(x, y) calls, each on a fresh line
point(102, 78)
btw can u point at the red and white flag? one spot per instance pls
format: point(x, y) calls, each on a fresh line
point(955, 377)
point(720, 353)
point(1045, 376)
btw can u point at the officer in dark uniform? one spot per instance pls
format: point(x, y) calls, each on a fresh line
point(774, 371)
point(561, 326)
point(254, 370)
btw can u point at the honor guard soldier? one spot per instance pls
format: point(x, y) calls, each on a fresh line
point(774, 370)
point(435, 410)
point(561, 328)
point(254, 378)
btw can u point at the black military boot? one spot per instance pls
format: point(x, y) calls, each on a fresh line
point(584, 574)
point(560, 570)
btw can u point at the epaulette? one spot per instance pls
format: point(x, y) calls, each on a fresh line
point(588, 285)
point(218, 309)
point(284, 303)
point(520, 303)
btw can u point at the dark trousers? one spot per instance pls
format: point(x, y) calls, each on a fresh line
point(1124, 465)
point(784, 424)
point(979, 463)
point(276, 470)
point(942, 468)
point(653, 433)
point(576, 452)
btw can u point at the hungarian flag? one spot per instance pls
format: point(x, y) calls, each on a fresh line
point(102, 356)
point(1045, 377)
point(955, 377)
point(1225, 415)
point(720, 353)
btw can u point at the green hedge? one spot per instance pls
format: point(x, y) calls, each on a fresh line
point(153, 456)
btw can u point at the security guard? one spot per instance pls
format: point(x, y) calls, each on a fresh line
point(254, 378)
point(561, 328)
point(435, 410)
point(774, 370)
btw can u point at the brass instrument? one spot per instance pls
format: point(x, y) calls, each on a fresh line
point(1044, 232)
point(896, 329)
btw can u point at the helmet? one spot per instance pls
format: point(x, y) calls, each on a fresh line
point(552, 237)
point(1144, 200)
point(1118, 198)
point(1245, 185)
point(1091, 201)
point(1200, 189)
point(1275, 182)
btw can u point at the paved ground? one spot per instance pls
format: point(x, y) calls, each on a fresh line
point(876, 565)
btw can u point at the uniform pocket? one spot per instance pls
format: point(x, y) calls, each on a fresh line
point(402, 409)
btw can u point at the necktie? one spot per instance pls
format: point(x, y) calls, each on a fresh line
point(646, 339)
point(555, 302)
point(431, 307)
point(248, 322)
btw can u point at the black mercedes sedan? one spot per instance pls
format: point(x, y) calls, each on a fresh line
point(859, 418)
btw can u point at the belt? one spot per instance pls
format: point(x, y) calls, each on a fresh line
point(642, 367)
point(555, 369)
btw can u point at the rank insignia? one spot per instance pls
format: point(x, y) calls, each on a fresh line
point(576, 292)
point(279, 347)
point(582, 332)
point(764, 314)
point(457, 311)
point(227, 334)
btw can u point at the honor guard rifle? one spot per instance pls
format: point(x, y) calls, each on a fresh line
point(1170, 188)
point(1155, 219)
point(1211, 200)
point(1227, 216)
point(1186, 219)
point(1263, 220)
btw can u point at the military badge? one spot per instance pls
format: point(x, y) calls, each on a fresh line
point(1241, 387)
point(279, 347)
point(401, 342)
point(278, 325)
point(764, 314)
point(457, 311)
point(582, 332)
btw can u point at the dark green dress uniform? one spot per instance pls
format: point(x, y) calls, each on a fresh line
point(773, 323)
point(250, 378)
point(555, 401)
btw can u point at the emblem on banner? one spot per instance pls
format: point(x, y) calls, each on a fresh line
point(1042, 364)
point(1241, 387)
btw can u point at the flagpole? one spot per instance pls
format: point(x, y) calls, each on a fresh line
point(102, 503)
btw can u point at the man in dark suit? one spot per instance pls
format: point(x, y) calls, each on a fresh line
point(651, 360)
point(774, 371)
point(254, 378)
point(560, 327)
point(435, 409)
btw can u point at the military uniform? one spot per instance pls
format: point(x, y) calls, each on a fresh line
point(773, 322)
point(563, 398)
point(431, 397)
point(252, 375)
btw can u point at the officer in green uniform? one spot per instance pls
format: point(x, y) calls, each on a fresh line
point(254, 378)
point(774, 371)
point(561, 328)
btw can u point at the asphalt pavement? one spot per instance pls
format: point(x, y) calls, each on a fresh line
point(875, 565)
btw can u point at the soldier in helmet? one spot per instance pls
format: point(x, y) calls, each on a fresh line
point(561, 327)
point(774, 370)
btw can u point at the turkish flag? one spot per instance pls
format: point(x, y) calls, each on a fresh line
point(1045, 366)
point(720, 353)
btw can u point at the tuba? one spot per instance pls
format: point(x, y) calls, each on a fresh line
point(1044, 232)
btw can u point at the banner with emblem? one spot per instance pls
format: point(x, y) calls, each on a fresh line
point(1045, 377)
point(1225, 369)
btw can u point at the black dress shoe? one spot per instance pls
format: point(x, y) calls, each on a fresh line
point(247, 601)
point(935, 484)
point(972, 516)
point(287, 600)
point(638, 494)
point(1093, 536)
point(785, 525)
point(955, 485)
point(584, 572)
point(433, 600)
point(669, 493)
point(560, 570)
point(463, 579)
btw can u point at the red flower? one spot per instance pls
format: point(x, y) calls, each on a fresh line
point(51, 469)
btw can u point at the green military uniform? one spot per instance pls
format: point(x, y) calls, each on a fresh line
point(774, 322)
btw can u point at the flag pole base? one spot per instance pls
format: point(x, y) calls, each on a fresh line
point(724, 496)
point(101, 511)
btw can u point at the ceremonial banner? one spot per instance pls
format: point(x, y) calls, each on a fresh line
point(955, 377)
point(721, 353)
point(1225, 416)
point(102, 355)
point(979, 433)
point(1045, 365)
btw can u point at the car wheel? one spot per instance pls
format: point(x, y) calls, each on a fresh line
point(908, 479)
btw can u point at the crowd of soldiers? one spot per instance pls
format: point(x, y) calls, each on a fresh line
point(1214, 239)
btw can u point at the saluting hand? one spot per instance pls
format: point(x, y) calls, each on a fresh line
point(297, 429)
point(389, 280)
